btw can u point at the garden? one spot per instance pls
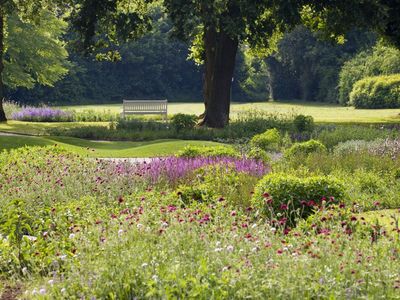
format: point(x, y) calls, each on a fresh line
point(277, 206)
point(273, 171)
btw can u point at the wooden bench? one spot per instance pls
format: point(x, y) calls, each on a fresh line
point(145, 107)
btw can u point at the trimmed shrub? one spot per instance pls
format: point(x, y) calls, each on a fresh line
point(269, 140)
point(258, 154)
point(183, 121)
point(217, 151)
point(282, 193)
point(303, 123)
point(306, 148)
point(376, 92)
point(218, 183)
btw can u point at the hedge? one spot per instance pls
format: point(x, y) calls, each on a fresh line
point(376, 92)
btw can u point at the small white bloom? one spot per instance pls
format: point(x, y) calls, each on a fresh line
point(241, 250)
point(63, 257)
point(24, 270)
point(120, 232)
point(63, 290)
point(225, 269)
point(31, 238)
point(144, 265)
point(285, 249)
point(218, 249)
point(273, 229)
point(164, 224)
point(71, 236)
point(218, 243)
point(229, 248)
point(51, 282)
point(42, 291)
point(154, 277)
point(34, 292)
point(139, 225)
point(255, 249)
point(254, 225)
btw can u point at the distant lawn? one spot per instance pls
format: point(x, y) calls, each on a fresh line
point(103, 149)
point(322, 112)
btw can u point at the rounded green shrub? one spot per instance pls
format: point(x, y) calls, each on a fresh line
point(308, 147)
point(376, 92)
point(303, 123)
point(286, 194)
point(258, 154)
point(269, 140)
point(183, 121)
point(213, 151)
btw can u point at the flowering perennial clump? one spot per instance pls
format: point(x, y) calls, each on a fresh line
point(173, 168)
point(42, 114)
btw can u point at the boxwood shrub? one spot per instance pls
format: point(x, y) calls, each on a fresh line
point(308, 147)
point(295, 196)
point(376, 92)
point(269, 140)
point(213, 151)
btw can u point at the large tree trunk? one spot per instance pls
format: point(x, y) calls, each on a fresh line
point(2, 113)
point(220, 54)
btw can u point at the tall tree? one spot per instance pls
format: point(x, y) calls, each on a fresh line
point(98, 24)
point(220, 26)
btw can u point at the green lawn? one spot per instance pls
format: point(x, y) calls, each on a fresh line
point(103, 148)
point(320, 111)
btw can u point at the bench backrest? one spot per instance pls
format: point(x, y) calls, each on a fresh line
point(145, 105)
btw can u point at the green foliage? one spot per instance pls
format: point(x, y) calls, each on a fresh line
point(303, 123)
point(39, 60)
point(305, 148)
point(217, 183)
point(269, 140)
point(307, 68)
point(295, 196)
point(382, 60)
point(376, 92)
point(140, 125)
point(219, 151)
point(258, 154)
point(183, 121)
point(331, 137)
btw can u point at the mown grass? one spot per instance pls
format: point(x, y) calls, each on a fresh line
point(102, 148)
point(322, 112)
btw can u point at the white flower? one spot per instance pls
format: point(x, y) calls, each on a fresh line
point(63, 257)
point(34, 292)
point(225, 269)
point(254, 225)
point(164, 224)
point(63, 290)
point(31, 238)
point(255, 249)
point(229, 248)
point(154, 277)
point(218, 249)
point(71, 236)
point(139, 225)
point(51, 282)
point(144, 265)
point(42, 291)
point(218, 243)
point(273, 229)
point(120, 232)
point(24, 270)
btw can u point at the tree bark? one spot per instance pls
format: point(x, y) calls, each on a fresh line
point(220, 54)
point(2, 113)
